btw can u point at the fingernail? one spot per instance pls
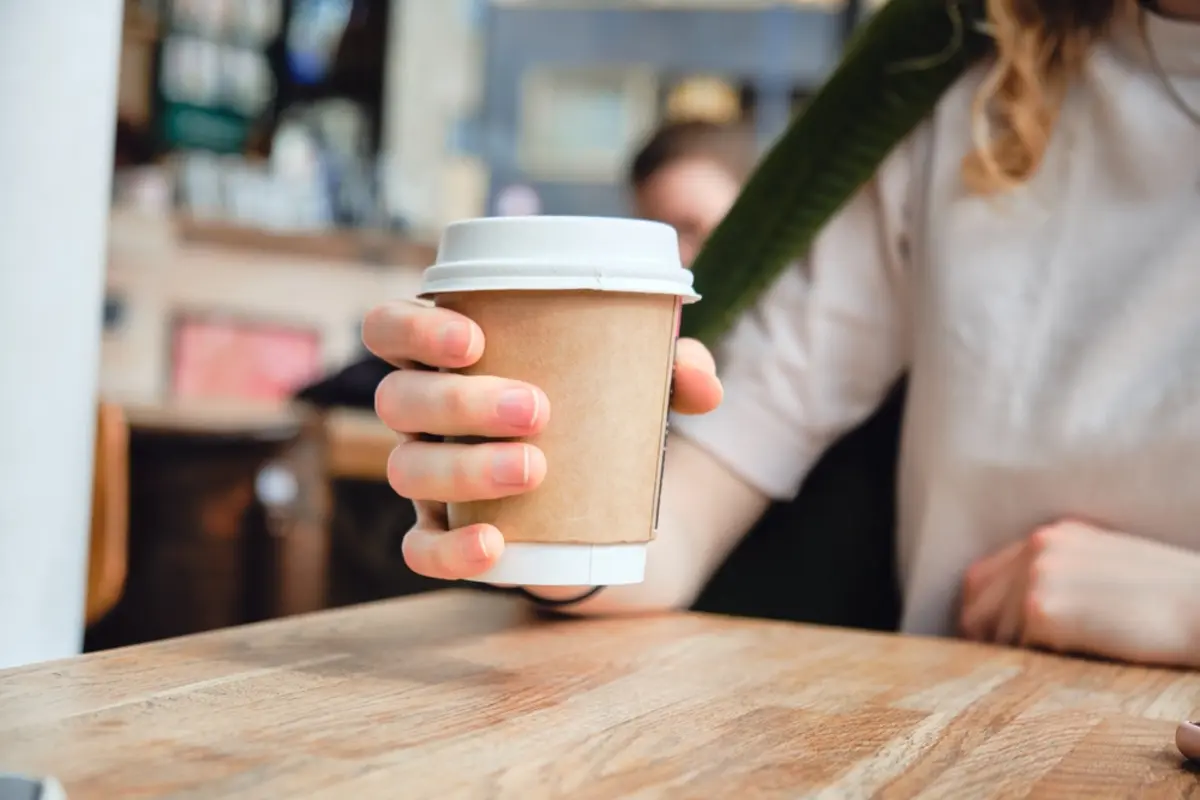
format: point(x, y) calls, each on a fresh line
point(456, 338)
point(518, 407)
point(511, 467)
point(475, 547)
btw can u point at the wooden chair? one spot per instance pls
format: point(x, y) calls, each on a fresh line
point(108, 555)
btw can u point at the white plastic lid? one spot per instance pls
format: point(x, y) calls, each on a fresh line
point(529, 564)
point(606, 254)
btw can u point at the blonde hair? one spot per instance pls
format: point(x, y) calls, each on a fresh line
point(1040, 47)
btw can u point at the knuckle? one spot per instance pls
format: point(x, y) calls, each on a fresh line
point(441, 557)
point(370, 326)
point(377, 316)
point(1043, 538)
point(384, 399)
point(456, 399)
point(380, 321)
point(421, 553)
point(411, 333)
point(463, 471)
point(397, 402)
point(1073, 530)
point(1037, 575)
point(410, 548)
point(401, 476)
point(1034, 610)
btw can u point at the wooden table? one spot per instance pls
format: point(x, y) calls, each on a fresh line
point(460, 695)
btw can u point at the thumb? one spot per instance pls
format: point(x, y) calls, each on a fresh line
point(697, 389)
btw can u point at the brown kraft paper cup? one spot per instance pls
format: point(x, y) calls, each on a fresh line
point(605, 361)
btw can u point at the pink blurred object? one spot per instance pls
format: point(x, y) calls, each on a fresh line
point(216, 358)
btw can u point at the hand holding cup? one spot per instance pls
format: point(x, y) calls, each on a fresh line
point(497, 426)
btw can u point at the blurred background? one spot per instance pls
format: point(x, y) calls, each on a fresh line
point(280, 166)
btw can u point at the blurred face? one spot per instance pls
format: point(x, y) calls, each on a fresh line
point(691, 196)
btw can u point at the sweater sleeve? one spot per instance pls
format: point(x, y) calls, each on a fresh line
point(822, 346)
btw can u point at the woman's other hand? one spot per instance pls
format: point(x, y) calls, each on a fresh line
point(414, 401)
point(1076, 587)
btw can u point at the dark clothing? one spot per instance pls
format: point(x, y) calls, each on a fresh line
point(827, 556)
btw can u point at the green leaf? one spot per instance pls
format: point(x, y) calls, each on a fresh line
point(894, 71)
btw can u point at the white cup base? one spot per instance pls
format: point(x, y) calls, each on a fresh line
point(530, 564)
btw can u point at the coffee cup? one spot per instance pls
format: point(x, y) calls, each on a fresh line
point(588, 310)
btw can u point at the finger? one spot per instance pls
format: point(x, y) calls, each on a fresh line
point(452, 555)
point(981, 613)
point(985, 589)
point(458, 473)
point(697, 389)
point(405, 331)
point(1043, 622)
point(1011, 620)
point(446, 404)
point(984, 571)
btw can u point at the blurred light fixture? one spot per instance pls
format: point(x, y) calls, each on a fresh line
point(705, 98)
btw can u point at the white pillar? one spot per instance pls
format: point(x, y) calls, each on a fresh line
point(420, 105)
point(58, 79)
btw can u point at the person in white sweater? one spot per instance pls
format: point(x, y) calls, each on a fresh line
point(1031, 258)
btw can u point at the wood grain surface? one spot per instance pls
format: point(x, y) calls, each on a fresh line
point(461, 695)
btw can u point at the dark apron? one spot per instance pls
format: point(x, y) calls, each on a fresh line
point(828, 556)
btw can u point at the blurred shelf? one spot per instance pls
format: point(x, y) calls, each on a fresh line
point(361, 247)
point(213, 418)
point(358, 443)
